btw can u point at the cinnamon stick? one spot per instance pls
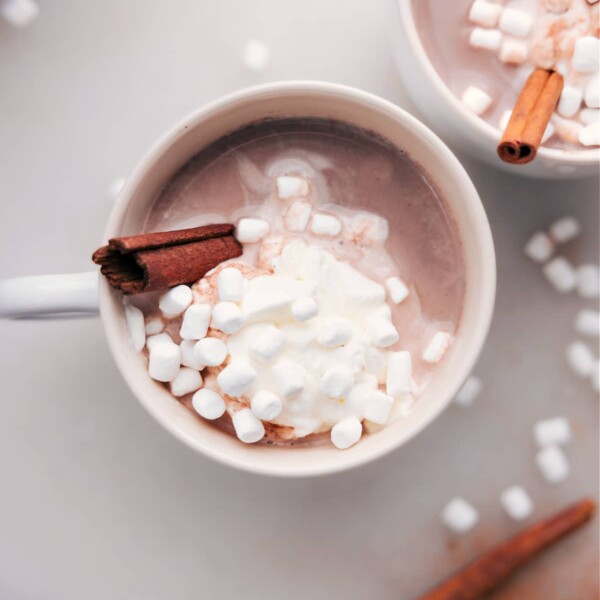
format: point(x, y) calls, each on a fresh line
point(490, 570)
point(530, 117)
point(157, 261)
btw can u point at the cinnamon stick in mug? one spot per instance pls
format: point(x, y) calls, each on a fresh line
point(530, 117)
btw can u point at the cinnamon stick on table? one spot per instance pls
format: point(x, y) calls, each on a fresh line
point(490, 570)
point(530, 117)
point(157, 261)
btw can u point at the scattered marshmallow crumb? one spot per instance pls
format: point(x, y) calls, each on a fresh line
point(469, 391)
point(581, 359)
point(346, 433)
point(539, 248)
point(476, 100)
point(517, 503)
point(186, 381)
point(250, 231)
point(19, 13)
point(553, 464)
point(587, 322)
point(460, 516)
point(552, 432)
point(437, 347)
point(565, 229)
point(256, 55)
point(397, 289)
point(325, 225)
point(561, 275)
point(176, 300)
point(588, 281)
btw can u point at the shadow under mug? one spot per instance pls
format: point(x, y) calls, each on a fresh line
point(86, 292)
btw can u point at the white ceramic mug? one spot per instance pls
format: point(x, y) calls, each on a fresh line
point(73, 293)
point(456, 123)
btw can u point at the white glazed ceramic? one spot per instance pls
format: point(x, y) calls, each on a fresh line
point(458, 125)
point(22, 298)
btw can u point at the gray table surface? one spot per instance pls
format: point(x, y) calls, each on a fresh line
point(97, 500)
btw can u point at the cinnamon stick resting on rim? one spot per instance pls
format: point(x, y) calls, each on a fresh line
point(157, 261)
point(490, 570)
point(530, 117)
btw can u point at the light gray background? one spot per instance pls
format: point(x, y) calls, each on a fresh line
point(96, 500)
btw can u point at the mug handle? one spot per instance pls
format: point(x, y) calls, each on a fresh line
point(49, 295)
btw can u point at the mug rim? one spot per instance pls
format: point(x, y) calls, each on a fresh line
point(367, 101)
point(557, 156)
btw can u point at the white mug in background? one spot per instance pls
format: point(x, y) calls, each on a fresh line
point(455, 122)
point(37, 296)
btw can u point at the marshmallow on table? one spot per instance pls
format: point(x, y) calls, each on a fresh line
point(397, 289)
point(176, 300)
point(210, 352)
point(268, 343)
point(587, 322)
point(561, 275)
point(437, 347)
point(336, 382)
point(333, 332)
point(590, 135)
point(188, 358)
point(513, 52)
point(399, 373)
point(154, 326)
point(325, 225)
point(485, 13)
point(588, 281)
point(208, 404)
point(304, 309)
point(550, 432)
point(346, 433)
point(553, 464)
point(289, 186)
point(565, 229)
point(540, 247)
point(570, 101)
point(517, 503)
point(469, 391)
point(235, 378)
point(586, 54)
point(164, 361)
point(248, 428)
point(581, 359)
point(476, 100)
point(186, 381)
point(19, 13)
point(515, 22)
point(249, 231)
point(589, 116)
point(195, 322)
point(489, 39)
point(230, 285)
point(256, 55)
point(378, 407)
point(382, 332)
point(459, 516)
point(297, 217)
point(592, 92)
point(288, 376)
point(266, 405)
point(227, 317)
point(137, 330)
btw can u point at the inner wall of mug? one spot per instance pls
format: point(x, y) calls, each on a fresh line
point(361, 110)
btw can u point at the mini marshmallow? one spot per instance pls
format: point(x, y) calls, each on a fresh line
point(188, 359)
point(485, 13)
point(399, 373)
point(325, 225)
point(570, 101)
point(208, 404)
point(230, 285)
point(476, 100)
point(266, 405)
point(489, 39)
point(592, 92)
point(137, 330)
point(247, 427)
point(469, 391)
point(590, 135)
point(587, 322)
point(513, 52)
point(437, 347)
point(288, 376)
point(581, 359)
point(289, 186)
point(539, 248)
point(378, 407)
point(227, 317)
point(561, 275)
point(588, 281)
point(517, 503)
point(382, 332)
point(346, 433)
point(459, 516)
point(586, 54)
point(553, 464)
point(186, 381)
point(210, 352)
point(336, 382)
point(154, 326)
point(155, 340)
point(164, 361)
point(297, 217)
point(256, 55)
point(176, 300)
point(250, 231)
point(397, 289)
point(304, 309)
point(335, 331)
point(19, 13)
point(565, 229)
point(235, 378)
point(515, 22)
point(551, 432)
point(268, 343)
point(589, 115)
point(195, 322)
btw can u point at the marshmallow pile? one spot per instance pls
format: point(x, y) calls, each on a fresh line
point(558, 35)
